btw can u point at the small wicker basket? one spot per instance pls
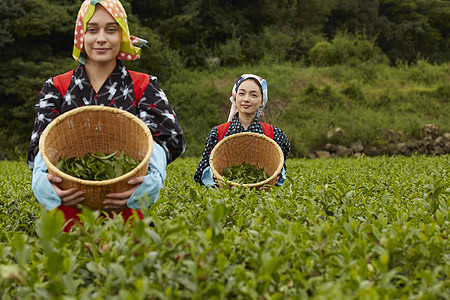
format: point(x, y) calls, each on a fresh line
point(253, 148)
point(91, 129)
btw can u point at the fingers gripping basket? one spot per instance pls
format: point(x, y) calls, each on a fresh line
point(91, 129)
point(254, 148)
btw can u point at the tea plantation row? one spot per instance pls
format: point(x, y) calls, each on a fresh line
point(367, 228)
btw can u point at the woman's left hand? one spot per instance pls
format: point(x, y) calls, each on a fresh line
point(118, 201)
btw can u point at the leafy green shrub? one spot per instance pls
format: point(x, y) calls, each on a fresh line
point(353, 91)
point(198, 106)
point(287, 44)
point(20, 87)
point(386, 99)
point(318, 55)
point(345, 49)
point(275, 43)
point(157, 58)
point(18, 207)
point(424, 72)
point(325, 97)
point(230, 52)
point(442, 92)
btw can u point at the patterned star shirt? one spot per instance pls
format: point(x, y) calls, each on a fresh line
point(153, 108)
point(236, 127)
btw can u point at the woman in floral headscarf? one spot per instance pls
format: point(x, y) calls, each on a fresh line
point(102, 40)
point(248, 97)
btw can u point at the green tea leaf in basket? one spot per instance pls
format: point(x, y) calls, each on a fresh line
point(98, 166)
point(244, 173)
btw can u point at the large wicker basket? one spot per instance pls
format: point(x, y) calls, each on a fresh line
point(253, 148)
point(91, 129)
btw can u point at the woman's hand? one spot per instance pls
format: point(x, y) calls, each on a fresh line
point(118, 201)
point(70, 197)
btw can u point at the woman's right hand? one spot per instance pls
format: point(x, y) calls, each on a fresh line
point(70, 197)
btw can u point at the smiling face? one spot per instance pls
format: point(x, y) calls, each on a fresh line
point(248, 97)
point(102, 37)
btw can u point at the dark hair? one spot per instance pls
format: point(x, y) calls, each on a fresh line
point(255, 80)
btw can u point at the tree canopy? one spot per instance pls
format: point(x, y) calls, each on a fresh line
point(37, 39)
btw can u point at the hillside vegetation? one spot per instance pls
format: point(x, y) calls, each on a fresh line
point(367, 101)
point(364, 66)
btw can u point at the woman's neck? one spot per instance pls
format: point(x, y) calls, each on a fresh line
point(98, 72)
point(246, 119)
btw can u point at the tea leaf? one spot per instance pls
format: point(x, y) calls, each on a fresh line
point(244, 173)
point(98, 166)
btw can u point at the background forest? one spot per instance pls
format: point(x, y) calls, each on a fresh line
point(366, 66)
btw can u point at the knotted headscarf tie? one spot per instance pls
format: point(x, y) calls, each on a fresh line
point(129, 46)
point(262, 83)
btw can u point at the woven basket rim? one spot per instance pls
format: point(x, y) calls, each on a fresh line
point(82, 109)
point(238, 135)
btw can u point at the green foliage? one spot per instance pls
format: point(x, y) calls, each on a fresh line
point(306, 102)
point(298, 14)
point(20, 87)
point(197, 29)
point(156, 57)
point(197, 104)
point(244, 173)
point(407, 29)
point(216, 41)
point(97, 166)
point(18, 207)
point(354, 16)
point(342, 228)
point(59, 18)
point(287, 44)
point(365, 102)
point(345, 49)
point(9, 11)
point(230, 52)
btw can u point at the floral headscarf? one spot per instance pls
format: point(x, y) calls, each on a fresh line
point(130, 45)
point(263, 84)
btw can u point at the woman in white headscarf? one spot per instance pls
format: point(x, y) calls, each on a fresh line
point(248, 97)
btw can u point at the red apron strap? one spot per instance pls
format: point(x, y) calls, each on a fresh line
point(140, 83)
point(62, 82)
point(222, 129)
point(268, 129)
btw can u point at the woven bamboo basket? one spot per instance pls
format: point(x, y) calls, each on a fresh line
point(253, 148)
point(91, 129)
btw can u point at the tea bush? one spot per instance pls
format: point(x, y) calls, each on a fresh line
point(367, 228)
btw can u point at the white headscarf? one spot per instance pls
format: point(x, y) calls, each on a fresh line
point(263, 84)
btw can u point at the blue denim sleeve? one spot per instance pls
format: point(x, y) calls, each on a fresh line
point(148, 191)
point(41, 186)
point(208, 177)
point(282, 178)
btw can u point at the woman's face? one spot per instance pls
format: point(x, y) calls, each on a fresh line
point(102, 37)
point(248, 97)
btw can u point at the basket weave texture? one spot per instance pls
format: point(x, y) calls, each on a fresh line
point(91, 129)
point(253, 148)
